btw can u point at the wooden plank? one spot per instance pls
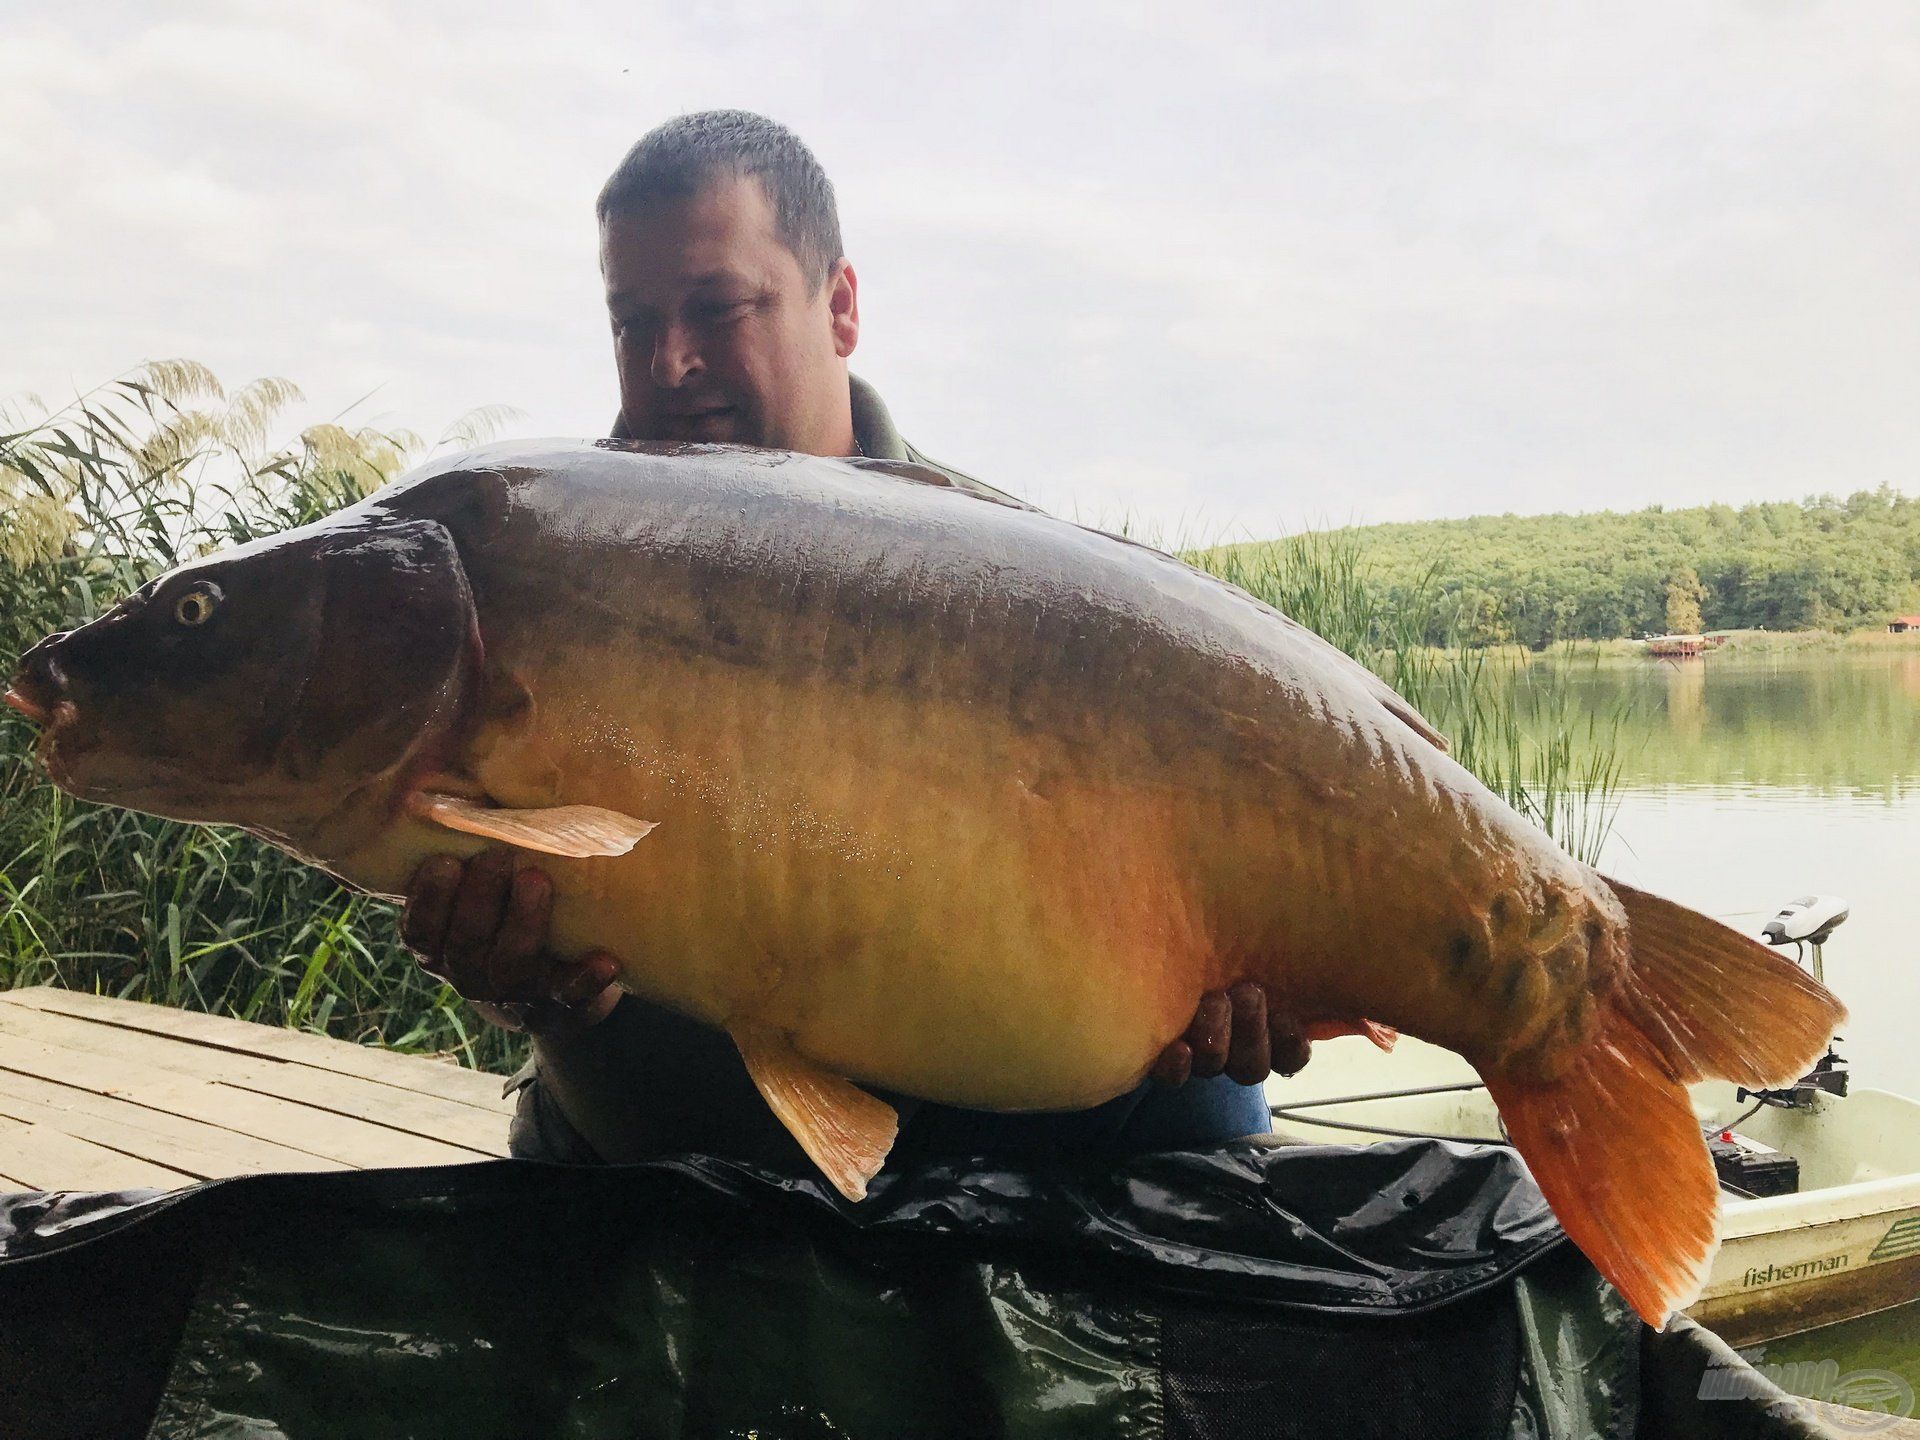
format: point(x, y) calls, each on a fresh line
point(415, 1114)
point(424, 1074)
point(428, 1116)
point(190, 1146)
point(48, 1160)
point(411, 1072)
point(320, 1132)
point(482, 1132)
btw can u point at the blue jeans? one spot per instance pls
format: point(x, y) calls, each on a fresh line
point(1152, 1117)
point(1197, 1114)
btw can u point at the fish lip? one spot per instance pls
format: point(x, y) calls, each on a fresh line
point(27, 705)
point(40, 714)
point(56, 722)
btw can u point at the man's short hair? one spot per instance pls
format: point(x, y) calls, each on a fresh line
point(683, 156)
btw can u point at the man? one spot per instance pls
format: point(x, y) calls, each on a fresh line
point(733, 313)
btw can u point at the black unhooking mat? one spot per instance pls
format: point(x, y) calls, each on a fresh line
point(1417, 1290)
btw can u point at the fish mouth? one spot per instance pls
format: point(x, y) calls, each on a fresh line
point(38, 686)
point(28, 706)
point(49, 713)
point(39, 697)
point(56, 744)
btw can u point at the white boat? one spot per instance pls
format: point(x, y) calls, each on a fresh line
point(1844, 1242)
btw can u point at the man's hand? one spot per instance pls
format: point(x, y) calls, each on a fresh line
point(482, 927)
point(1234, 1033)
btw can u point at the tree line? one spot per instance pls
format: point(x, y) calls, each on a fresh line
point(1822, 563)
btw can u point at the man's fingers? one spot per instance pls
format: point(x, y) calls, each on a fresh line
point(1174, 1065)
point(423, 921)
point(1209, 1033)
point(478, 908)
point(1247, 1050)
point(1288, 1042)
point(516, 963)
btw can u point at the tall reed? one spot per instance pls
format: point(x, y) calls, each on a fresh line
point(1515, 722)
point(97, 497)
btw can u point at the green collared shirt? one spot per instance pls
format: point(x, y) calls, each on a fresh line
point(880, 439)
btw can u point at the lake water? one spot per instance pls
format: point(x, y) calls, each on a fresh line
point(1750, 781)
point(1747, 782)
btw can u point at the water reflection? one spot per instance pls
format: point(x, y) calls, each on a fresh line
point(1686, 697)
point(1839, 720)
point(1910, 675)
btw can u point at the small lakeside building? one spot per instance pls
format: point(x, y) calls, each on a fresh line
point(1682, 647)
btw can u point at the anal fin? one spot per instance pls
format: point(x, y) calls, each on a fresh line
point(577, 831)
point(844, 1130)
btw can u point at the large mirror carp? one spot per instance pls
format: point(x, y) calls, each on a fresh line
point(951, 797)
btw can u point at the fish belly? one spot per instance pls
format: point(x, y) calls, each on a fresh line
point(915, 899)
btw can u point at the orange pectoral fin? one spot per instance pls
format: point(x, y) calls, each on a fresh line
point(577, 831)
point(1385, 1036)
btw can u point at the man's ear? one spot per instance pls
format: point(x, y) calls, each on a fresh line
point(843, 307)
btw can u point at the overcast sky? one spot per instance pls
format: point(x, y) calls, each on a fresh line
point(1220, 268)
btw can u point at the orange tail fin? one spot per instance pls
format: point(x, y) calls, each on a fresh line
point(1614, 1143)
point(1717, 1004)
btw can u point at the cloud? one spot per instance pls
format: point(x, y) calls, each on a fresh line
point(1255, 264)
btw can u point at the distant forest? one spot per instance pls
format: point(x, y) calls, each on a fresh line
point(1819, 564)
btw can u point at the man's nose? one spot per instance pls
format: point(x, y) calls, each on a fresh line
point(675, 355)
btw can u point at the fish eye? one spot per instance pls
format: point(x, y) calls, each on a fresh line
point(197, 605)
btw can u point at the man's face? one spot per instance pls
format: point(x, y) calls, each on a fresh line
point(717, 332)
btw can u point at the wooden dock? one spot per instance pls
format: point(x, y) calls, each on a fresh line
point(101, 1094)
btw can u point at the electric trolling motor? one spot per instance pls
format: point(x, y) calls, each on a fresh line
point(1808, 921)
point(1744, 1165)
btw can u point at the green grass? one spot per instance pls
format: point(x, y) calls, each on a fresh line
point(161, 465)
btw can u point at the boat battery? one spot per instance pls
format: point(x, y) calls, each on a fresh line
point(1747, 1167)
